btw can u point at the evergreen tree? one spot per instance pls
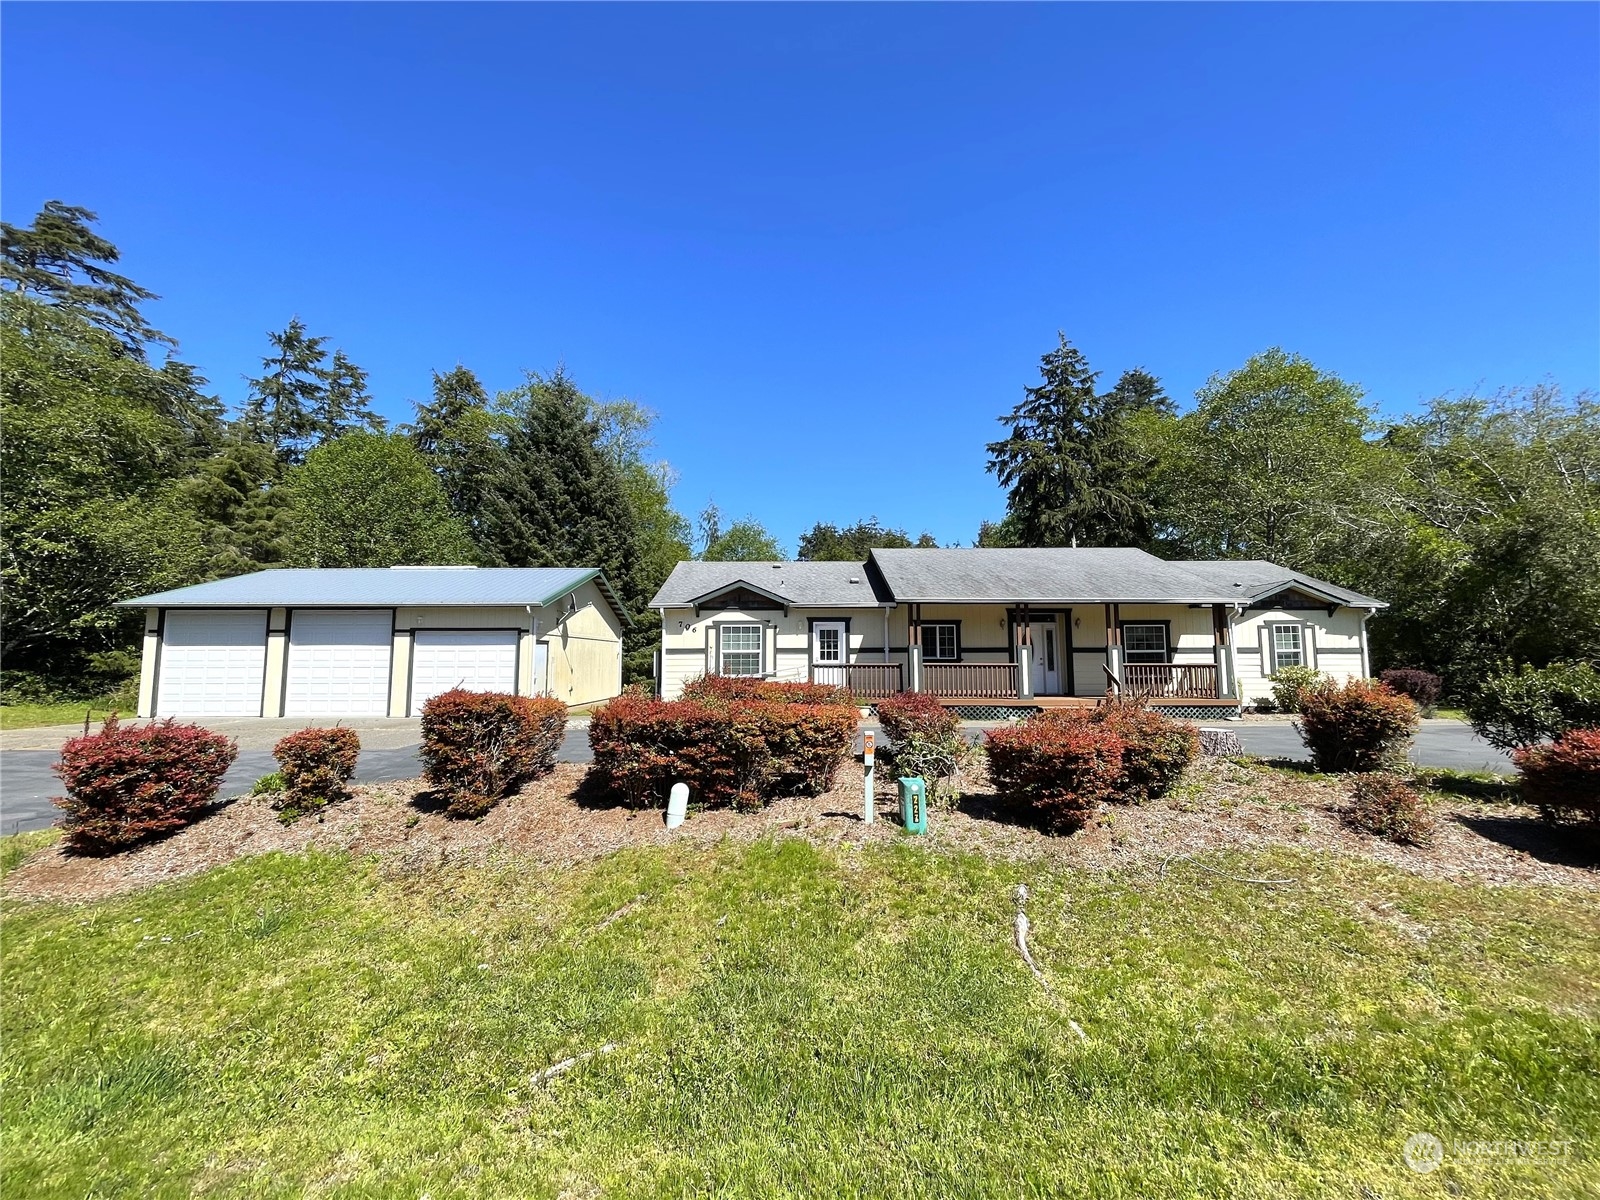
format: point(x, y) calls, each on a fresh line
point(1067, 462)
point(551, 496)
point(62, 262)
point(285, 403)
point(458, 435)
point(344, 404)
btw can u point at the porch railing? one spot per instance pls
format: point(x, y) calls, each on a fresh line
point(865, 681)
point(1190, 680)
point(977, 681)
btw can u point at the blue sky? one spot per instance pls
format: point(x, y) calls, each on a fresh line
point(828, 244)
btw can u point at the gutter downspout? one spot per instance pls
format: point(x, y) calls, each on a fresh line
point(533, 667)
point(1366, 664)
point(1235, 610)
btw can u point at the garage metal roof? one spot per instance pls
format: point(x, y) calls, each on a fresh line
point(386, 587)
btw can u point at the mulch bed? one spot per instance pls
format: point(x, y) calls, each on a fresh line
point(1220, 805)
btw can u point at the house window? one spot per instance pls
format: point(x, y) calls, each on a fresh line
point(1288, 650)
point(1144, 643)
point(941, 642)
point(741, 650)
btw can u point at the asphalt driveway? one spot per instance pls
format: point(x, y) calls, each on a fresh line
point(27, 783)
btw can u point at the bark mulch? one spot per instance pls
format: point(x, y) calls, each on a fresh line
point(1220, 805)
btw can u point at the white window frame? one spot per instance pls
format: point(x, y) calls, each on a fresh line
point(955, 641)
point(1299, 650)
point(1165, 651)
point(760, 650)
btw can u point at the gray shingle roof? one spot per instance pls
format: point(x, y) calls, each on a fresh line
point(983, 576)
point(1096, 576)
point(358, 587)
point(1256, 577)
point(800, 584)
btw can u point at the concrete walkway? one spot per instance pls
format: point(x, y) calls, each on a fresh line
point(389, 751)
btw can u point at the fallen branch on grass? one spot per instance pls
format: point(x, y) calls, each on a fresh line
point(1019, 934)
point(624, 910)
point(566, 1064)
point(1162, 870)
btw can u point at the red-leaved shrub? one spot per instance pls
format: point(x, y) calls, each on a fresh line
point(1060, 770)
point(1423, 687)
point(907, 713)
point(727, 689)
point(745, 752)
point(478, 747)
point(1362, 726)
point(1563, 778)
point(127, 784)
point(1157, 750)
point(315, 765)
point(1385, 804)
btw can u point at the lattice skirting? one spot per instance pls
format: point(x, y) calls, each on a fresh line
point(1007, 712)
point(1195, 712)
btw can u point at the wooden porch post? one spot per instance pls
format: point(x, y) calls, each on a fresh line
point(1219, 649)
point(1114, 641)
point(1024, 653)
point(914, 647)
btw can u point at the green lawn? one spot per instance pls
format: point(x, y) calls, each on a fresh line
point(30, 716)
point(795, 1021)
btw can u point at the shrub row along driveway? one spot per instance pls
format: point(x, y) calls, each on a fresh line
point(389, 751)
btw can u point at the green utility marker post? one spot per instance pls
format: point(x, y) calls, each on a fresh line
point(914, 804)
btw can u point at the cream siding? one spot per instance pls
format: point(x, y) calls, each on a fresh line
point(1333, 645)
point(584, 651)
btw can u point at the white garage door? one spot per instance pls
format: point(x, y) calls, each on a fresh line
point(213, 663)
point(480, 660)
point(338, 663)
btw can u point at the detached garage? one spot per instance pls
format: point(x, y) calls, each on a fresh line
point(333, 643)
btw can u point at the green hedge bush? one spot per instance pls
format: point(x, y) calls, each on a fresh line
point(1521, 707)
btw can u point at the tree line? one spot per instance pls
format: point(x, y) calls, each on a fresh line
point(1477, 518)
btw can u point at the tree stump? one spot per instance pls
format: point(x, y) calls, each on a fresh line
point(1221, 743)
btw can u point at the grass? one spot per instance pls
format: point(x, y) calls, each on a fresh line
point(31, 716)
point(794, 1021)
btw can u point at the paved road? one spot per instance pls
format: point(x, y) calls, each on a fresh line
point(27, 783)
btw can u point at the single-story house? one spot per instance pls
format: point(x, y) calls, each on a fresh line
point(377, 642)
point(1002, 629)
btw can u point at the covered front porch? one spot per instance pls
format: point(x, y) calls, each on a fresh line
point(1031, 656)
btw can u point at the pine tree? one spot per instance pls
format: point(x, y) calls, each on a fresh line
point(61, 261)
point(344, 405)
point(284, 403)
point(553, 498)
point(1066, 460)
point(457, 435)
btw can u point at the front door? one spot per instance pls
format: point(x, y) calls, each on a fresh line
point(1047, 668)
point(829, 652)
